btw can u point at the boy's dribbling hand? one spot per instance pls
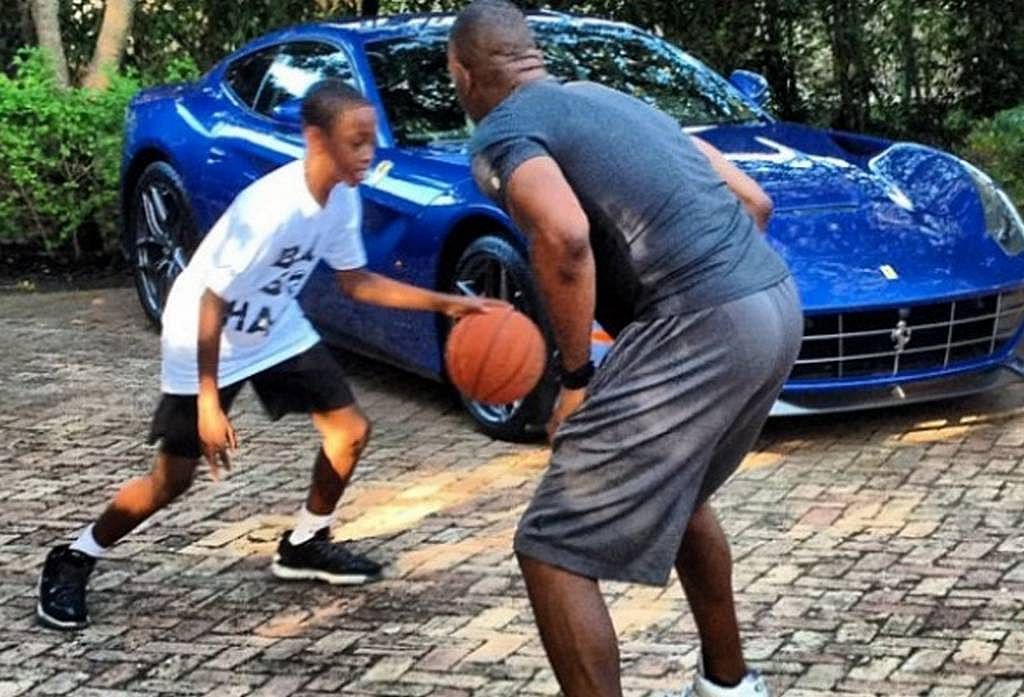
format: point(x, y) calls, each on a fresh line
point(457, 306)
point(216, 436)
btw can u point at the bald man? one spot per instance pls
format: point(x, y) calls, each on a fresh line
point(656, 235)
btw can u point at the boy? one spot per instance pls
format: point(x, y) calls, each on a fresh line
point(232, 318)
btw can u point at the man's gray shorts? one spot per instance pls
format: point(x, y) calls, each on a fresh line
point(669, 416)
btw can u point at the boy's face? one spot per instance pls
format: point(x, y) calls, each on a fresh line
point(351, 143)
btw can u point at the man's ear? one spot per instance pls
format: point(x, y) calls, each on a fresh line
point(461, 74)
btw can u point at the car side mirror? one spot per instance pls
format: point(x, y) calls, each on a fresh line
point(752, 85)
point(288, 112)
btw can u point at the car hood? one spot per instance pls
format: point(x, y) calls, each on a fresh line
point(864, 222)
point(861, 221)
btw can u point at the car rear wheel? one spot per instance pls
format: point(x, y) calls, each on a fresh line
point(161, 235)
point(492, 267)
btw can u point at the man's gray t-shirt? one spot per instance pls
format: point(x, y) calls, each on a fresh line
point(668, 234)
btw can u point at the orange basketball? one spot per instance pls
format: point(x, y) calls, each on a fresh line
point(495, 357)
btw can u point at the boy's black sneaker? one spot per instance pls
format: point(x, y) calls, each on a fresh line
point(62, 589)
point(322, 560)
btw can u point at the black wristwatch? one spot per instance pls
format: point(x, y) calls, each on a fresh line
point(576, 379)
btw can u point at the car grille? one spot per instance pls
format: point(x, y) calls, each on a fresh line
point(894, 341)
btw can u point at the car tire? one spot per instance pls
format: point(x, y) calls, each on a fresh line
point(161, 235)
point(492, 267)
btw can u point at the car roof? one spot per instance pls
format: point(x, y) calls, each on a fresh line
point(367, 29)
point(363, 30)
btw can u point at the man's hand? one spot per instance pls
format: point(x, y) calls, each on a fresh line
point(457, 306)
point(215, 436)
point(568, 402)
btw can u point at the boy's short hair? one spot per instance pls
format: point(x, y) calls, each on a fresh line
point(328, 99)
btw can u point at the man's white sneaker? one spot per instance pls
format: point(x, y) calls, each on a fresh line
point(752, 685)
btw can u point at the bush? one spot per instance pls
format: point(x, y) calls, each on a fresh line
point(997, 146)
point(175, 69)
point(59, 158)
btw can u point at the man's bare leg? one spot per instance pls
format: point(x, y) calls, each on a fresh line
point(575, 628)
point(704, 565)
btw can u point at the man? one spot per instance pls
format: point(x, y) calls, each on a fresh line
point(656, 235)
point(232, 317)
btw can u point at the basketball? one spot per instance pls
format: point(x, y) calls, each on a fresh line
point(495, 357)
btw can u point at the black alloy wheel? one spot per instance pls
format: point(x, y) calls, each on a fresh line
point(490, 266)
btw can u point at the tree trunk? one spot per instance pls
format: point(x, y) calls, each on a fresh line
point(117, 22)
point(850, 64)
point(777, 24)
point(861, 65)
point(27, 28)
point(45, 14)
point(909, 55)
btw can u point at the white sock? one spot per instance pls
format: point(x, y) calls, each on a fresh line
point(87, 544)
point(308, 524)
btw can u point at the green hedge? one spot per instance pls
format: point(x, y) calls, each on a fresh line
point(997, 146)
point(59, 158)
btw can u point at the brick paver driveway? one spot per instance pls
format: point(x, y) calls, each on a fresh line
point(876, 554)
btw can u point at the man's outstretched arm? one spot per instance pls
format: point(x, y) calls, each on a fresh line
point(748, 191)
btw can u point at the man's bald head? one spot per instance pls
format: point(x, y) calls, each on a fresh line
point(490, 31)
point(491, 52)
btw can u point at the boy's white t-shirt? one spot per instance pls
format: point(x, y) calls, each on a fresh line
point(257, 257)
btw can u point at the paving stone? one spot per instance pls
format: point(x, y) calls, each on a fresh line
point(925, 661)
point(875, 671)
point(823, 677)
point(976, 652)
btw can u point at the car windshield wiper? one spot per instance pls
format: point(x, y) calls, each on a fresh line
point(728, 122)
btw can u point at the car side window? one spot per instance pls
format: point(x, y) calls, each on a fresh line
point(296, 68)
point(245, 75)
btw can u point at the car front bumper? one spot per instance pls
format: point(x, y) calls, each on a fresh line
point(822, 402)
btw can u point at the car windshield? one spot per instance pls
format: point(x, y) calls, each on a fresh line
point(411, 75)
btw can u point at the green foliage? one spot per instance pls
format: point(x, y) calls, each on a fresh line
point(997, 146)
point(178, 69)
point(59, 157)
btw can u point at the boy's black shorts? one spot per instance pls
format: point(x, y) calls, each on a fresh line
point(312, 381)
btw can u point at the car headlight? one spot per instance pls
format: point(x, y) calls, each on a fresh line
point(1002, 220)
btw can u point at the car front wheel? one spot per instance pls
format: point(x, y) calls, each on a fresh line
point(161, 235)
point(492, 267)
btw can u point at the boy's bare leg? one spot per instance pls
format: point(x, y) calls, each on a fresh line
point(143, 496)
point(62, 583)
point(307, 552)
point(345, 433)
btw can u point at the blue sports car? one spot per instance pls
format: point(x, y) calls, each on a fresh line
point(907, 258)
